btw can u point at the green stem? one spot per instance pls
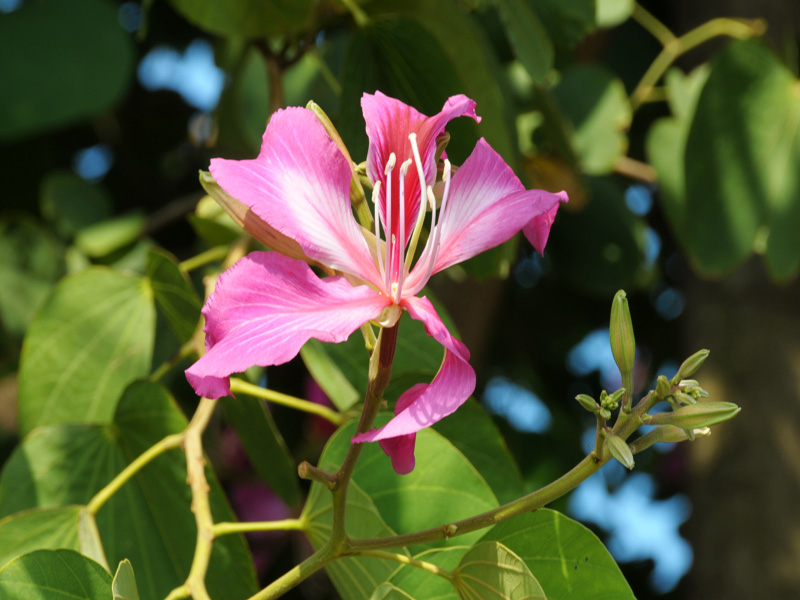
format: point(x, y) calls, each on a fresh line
point(655, 27)
point(212, 255)
point(407, 560)
point(359, 16)
point(225, 528)
point(100, 498)
point(243, 387)
point(678, 46)
point(291, 578)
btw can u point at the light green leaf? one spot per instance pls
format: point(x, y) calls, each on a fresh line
point(328, 375)
point(54, 575)
point(528, 38)
point(596, 103)
point(103, 238)
point(91, 545)
point(174, 294)
point(83, 69)
point(247, 18)
point(386, 591)
point(149, 520)
point(613, 12)
point(124, 583)
point(71, 203)
point(355, 578)
point(568, 560)
point(490, 571)
point(38, 529)
point(264, 445)
point(93, 336)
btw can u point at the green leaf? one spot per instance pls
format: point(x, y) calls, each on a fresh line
point(531, 44)
point(474, 433)
point(103, 238)
point(246, 18)
point(355, 578)
point(71, 203)
point(54, 575)
point(82, 70)
point(149, 520)
point(328, 375)
point(422, 585)
point(39, 529)
point(174, 294)
point(491, 571)
point(93, 336)
point(212, 224)
point(596, 103)
point(32, 262)
point(443, 487)
point(567, 22)
point(124, 583)
point(613, 12)
point(568, 560)
point(264, 445)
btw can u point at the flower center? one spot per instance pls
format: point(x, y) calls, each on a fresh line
point(395, 258)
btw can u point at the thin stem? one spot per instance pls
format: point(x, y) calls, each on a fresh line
point(100, 498)
point(291, 578)
point(407, 560)
point(635, 169)
point(359, 16)
point(243, 387)
point(308, 471)
point(653, 25)
point(220, 529)
point(188, 349)
point(211, 255)
point(692, 39)
point(599, 438)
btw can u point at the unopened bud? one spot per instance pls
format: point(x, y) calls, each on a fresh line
point(587, 402)
point(623, 344)
point(666, 433)
point(619, 449)
point(696, 416)
point(684, 398)
point(613, 399)
point(691, 365)
point(663, 387)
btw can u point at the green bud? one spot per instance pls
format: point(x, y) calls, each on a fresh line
point(619, 449)
point(613, 399)
point(696, 416)
point(605, 413)
point(684, 398)
point(691, 365)
point(587, 402)
point(663, 387)
point(666, 433)
point(623, 344)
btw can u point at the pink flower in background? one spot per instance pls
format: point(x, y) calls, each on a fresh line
point(268, 305)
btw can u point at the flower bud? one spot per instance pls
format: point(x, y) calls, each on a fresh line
point(613, 399)
point(663, 387)
point(670, 434)
point(587, 402)
point(691, 365)
point(619, 449)
point(623, 344)
point(684, 398)
point(696, 416)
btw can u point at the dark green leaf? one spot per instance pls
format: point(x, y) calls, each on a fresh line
point(39, 529)
point(93, 336)
point(54, 575)
point(530, 41)
point(174, 294)
point(124, 584)
point(490, 571)
point(71, 203)
point(568, 560)
point(83, 68)
point(245, 17)
point(566, 21)
point(149, 520)
point(264, 446)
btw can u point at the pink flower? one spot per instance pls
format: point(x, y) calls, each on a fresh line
point(268, 305)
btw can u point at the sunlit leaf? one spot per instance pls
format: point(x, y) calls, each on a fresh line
point(490, 571)
point(613, 12)
point(92, 337)
point(103, 238)
point(54, 575)
point(124, 583)
point(39, 529)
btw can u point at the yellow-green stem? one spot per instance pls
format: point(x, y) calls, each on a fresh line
point(285, 525)
point(212, 255)
point(656, 28)
point(407, 560)
point(243, 387)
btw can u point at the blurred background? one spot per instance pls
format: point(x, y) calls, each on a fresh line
point(674, 126)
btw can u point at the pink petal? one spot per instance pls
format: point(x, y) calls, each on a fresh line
point(300, 185)
point(425, 404)
point(389, 123)
point(265, 308)
point(487, 206)
point(538, 230)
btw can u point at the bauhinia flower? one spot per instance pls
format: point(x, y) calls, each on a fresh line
point(268, 305)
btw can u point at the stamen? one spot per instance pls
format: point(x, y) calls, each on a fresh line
point(376, 201)
point(412, 246)
point(402, 199)
point(388, 224)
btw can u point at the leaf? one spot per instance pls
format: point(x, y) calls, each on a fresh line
point(103, 238)
point(54, 575)
point(566, 22)
point(39, 529)
point(596, 103)
point(422, 585)
point(491, 571)
point(212, 224)
point(531, 44)
point(149, 520)
point(328, 375)
point(613, 12)
point(174, 294)
point(443, 487)
point(82, 70)
point(265, 446)
point(124, 583)
point(92, 337)
point(355, 578)
point(569, 561)
point(474, 433)
point(246, 18)
point(71, 203)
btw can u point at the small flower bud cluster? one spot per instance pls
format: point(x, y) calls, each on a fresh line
point(608, 403)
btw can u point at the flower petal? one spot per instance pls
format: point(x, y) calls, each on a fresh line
point(389, 123)
point(487, 205)
point(425, 404)
point(265, 308)
point(538, 230)
point(300, 185)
